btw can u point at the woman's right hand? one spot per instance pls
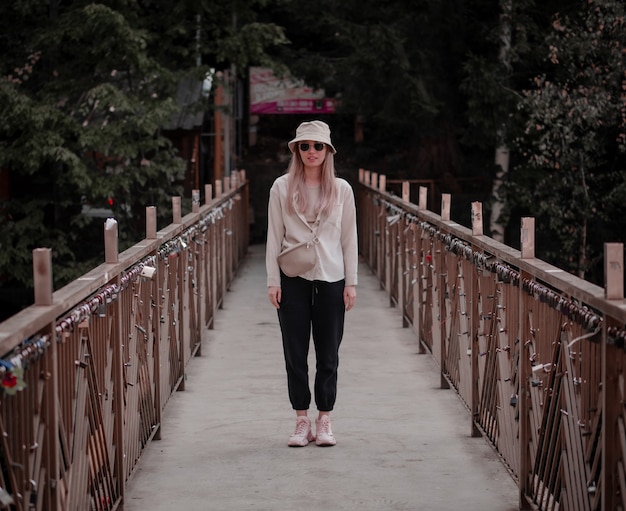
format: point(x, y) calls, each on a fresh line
point(274, 294)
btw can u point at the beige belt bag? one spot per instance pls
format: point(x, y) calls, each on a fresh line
point(299, 259)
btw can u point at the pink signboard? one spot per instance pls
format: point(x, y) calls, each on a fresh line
point(272, 95)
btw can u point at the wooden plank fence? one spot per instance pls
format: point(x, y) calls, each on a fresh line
point(88, 370)
point(535, 354)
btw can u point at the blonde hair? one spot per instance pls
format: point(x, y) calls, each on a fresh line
point(297, 186)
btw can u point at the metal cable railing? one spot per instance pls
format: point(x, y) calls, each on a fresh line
point(87, 371)
point(536, 354)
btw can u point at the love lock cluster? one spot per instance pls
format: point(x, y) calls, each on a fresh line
point(581, 315)
point(12, 367)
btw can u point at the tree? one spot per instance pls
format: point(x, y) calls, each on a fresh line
point(81, 114)
point(84, 91)
point(575, 136)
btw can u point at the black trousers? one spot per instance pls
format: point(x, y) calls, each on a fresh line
point(311, 307)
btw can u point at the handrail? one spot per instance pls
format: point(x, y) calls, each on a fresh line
point(535, 353)
point(87, 371)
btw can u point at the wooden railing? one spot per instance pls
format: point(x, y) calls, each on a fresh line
point(87, 371)
point(536, 354)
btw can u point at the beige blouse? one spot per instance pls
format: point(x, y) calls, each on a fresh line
point(337, 249)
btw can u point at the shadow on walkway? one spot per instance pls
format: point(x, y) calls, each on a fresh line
point(402, 442)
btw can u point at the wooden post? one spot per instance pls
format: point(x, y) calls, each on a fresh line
point(226, 187)
point(451, 270)
point(419, 289)
point(527, 238)
point(195, 201)
point(218, 189)
point(117, 345)
point(151, 223)
point(177, 216)
point(42, 276)
point(477, 218)
point(614, 271)
point(406, 191)
point(388, 249)
point(43, 286)
point(208, 194)
point(110, 241)
point(246, 217)
point(472, 313)
point(51, 431)
point(401, 270)
point(242, 175)
point(361, 175)
point(446, 201)
point(611, 404)
point(374, 180)
point(611, 357)
point(382, 183)
point(367, 177)
point(477, 230)
point(423, 198)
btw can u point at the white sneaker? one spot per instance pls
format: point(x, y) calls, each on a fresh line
point(303, 434)
point(323, 434)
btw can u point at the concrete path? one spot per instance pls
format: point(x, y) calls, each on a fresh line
point(402, 442)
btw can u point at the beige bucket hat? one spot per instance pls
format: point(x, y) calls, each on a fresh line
point(317, 131)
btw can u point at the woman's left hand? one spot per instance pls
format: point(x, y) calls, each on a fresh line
point(349, 296)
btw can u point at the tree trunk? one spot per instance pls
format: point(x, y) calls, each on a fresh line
point(502, 151)
point(502, 164)
point(582, 248)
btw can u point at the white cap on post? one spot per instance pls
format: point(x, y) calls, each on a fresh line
point(110, 241)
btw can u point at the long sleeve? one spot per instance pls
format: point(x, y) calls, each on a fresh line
point(349, 239)
point(275, 235)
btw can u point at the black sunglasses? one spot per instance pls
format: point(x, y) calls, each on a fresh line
point(318, 146)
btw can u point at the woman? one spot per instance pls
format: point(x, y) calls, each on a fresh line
point(309, 201)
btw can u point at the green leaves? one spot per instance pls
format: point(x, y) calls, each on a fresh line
point(247, 45)
point(85, 91)
point(574, 125)
point(81, 117)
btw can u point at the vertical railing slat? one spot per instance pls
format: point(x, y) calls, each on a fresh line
point(612, 407)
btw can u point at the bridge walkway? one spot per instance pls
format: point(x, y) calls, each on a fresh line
point(402, 442)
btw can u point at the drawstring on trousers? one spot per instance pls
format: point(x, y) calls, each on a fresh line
point(314, 291)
